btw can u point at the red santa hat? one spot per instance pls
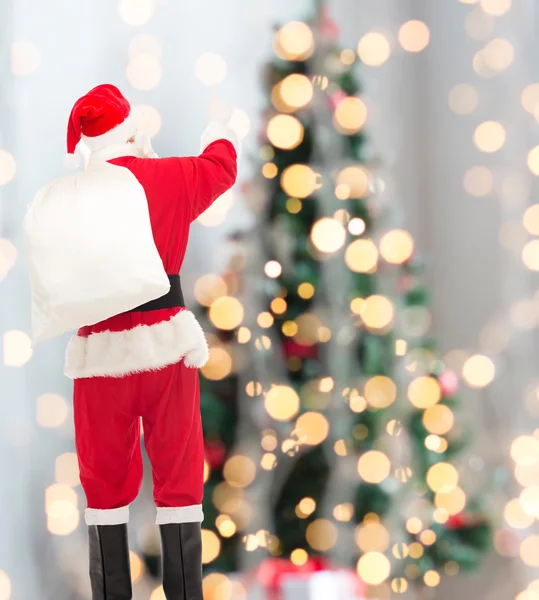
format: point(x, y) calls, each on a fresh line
point(101, 118)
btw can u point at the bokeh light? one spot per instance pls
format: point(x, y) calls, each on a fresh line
point(136, 12)
point(299, 181)
point(51, 410)
point(489, 136)
point(25, 58)
point(361, 256)
point(211, 68)
point(66, 469)
point(285, 132)
point(380, 391)
point(377, 312)
point(478, 181)
point(374, 568)
point(239, 471)
point(496, 8)
point(350, 115)
point(17, 348)
point(463, 99)
point(312, 428)
point(374, 49)
point(321, 535)
point(211, 546)
point(144, 72)
point(414, 36)
point(240, 122)
point(219, 364)
point(424, 392)
point(353, 182)
point(373, 466)
point(438, 419)
point(296, 90)
point(8, 167)
point(282, 403)
point(294, 41)
point(226, 313)
point(208, 288)
point(148, 119)
point(478, 371)
point(328, 235)
point(442, 477)
point(396, 246)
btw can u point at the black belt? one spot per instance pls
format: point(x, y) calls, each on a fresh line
point(172, 299)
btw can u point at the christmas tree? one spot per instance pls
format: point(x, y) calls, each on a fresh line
point(329, 417)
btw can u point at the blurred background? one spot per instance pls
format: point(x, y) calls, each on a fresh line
point(368, 288)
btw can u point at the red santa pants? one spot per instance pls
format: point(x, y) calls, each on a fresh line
point(108, 414)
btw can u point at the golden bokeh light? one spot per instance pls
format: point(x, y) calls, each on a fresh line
point(438, 419)
point(414, 525)
point(312, 428)
point(268, 461)
point(396, 246)
point(530, 98)
point(489, 136)
point(361, 256)
point(427, 537)
point(374, 568)
point(210, 68)
point(414, 36)
point(533, 160)
point(136, 12)
point(226, 313)
point(148, 119)
point(372, 537)
point(478, 371)
point(51, 410)
point(495, 8)
point(5, 586)
point(66, 469)
point(380, 391)
point(306, 290)
point(285, 132)
point(531, 219)
point(416, 550)
point(463, 99)
point(498, 54)
point(453, 502)
point(296, 90)
point(356, 226)
point(239, 471)
point(374, 466)
point(278, 306)
point(529, 551)
point(265, 320)
point(525, 450)
point(353, 180)
point(270, 170)
point(343, 512)
point(17, 348)
point(226, 526)
point(529, 500)
point(374, 49)
point(282, 403)
point(305, 508)
point(211, 546)
point(144, 72)
point(350, 115)
point(321, 535)
point(442, 477)
point(431, 578)
point(307, 329)
point(299, 557)
point(208, 288)
point(328, 235)
point(424, 392)
point(299, 181)
point(294, 41)
point(377, 312)
point(515, 516)
point(399, 585)
point(530, 255)
point(478, 181)
point(219, 364)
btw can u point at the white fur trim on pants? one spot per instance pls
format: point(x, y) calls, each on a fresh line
point(143, 348)
point(114, 516)
point(181, 514)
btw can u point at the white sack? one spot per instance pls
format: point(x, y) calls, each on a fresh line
point(90, 250)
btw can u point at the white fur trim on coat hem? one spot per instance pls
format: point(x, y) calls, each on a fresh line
point(219, 131)
point(143, 348)
point(113, 516)
point(180, 514)
point(117, 135)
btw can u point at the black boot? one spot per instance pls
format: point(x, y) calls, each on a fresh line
point(182, 561)
point(110, 571)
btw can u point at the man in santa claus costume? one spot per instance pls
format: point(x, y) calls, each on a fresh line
point(142, 365)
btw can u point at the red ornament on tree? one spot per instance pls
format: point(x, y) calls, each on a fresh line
point(449, 383)
point(292, 348)
point(215, 453)
point(457, 521)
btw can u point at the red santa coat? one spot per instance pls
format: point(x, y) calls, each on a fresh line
point(178, 190)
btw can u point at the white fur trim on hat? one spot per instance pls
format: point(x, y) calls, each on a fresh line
point(72, 161)
point(117, 135)
point(114, 516)
point(143, 348)
point(180, 514)
point(219, 131)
